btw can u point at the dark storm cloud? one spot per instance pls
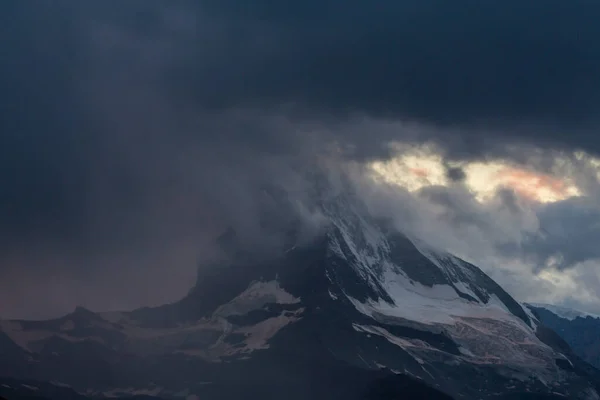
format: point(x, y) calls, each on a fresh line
point(532, 69)
point(482, 71)
point(40, 165)
point(89, 138)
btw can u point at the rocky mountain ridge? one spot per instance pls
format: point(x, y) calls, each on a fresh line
point(360, 312)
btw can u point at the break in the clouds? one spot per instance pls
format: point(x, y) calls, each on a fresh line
point(132, 133)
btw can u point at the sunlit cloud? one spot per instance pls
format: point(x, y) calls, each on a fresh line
point(485, 179)
point(419, 168)
point(413, 171)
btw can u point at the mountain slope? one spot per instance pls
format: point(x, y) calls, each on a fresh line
point(361, 312)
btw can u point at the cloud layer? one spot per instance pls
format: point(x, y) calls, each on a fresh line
point(133, 133)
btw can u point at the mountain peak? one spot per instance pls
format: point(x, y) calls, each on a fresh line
point(83, 315)
point(84, 312)
point(360, 299)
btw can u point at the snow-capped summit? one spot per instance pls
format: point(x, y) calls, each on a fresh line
point(410, 272)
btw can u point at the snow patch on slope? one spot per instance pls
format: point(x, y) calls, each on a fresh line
point(534, 320)
point(439, 304)
point(256, 296)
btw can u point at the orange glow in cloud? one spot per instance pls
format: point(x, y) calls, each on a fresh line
point(534, 186)
point(419, 172)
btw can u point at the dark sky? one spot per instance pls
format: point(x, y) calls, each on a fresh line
point(133, 132)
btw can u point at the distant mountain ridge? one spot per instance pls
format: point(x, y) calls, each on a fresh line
point(580, 330)
point(564, 312)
